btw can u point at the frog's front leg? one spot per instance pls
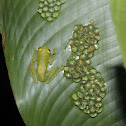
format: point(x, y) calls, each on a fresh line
point(32, 69)
point(51, 57)
point(51, 74)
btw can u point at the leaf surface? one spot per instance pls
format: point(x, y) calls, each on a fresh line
point(118, 8)
point(51, 105)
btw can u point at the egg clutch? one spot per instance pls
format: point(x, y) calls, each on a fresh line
point(91, 90)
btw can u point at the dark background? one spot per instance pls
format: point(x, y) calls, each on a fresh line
point(10, 114)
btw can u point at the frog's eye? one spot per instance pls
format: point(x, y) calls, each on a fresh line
point(40, 48)
point(48, 51)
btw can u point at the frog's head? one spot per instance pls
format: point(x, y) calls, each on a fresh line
point(44, 48)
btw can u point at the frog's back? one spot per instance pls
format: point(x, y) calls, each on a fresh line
point(42, 62)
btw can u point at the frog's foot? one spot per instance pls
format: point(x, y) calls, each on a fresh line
point(52, 74)
point(62, 67)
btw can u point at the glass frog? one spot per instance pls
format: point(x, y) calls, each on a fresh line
point(43, 56)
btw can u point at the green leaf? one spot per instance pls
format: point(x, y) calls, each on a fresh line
point(51, 105)
point(118, 8)
point(1, 21)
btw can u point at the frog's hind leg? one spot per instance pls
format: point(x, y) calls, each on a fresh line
point(32, 69)
point(51, 74)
